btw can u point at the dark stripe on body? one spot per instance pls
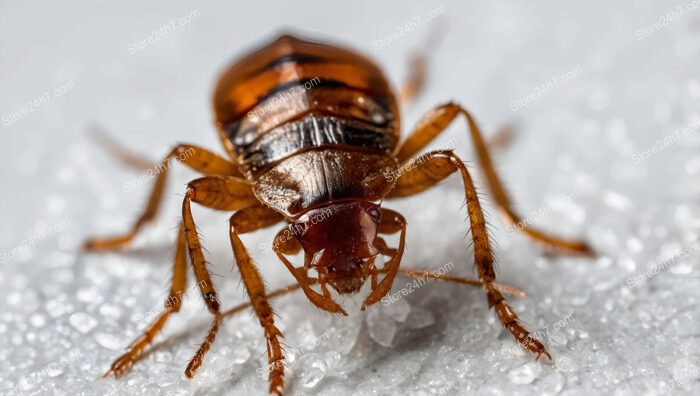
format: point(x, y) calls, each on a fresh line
point(300, 83)
point(322, 83)
point(309, 132)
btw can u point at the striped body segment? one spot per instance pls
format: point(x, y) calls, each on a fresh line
point(298, 117)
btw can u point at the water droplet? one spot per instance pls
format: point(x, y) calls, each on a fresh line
point(89, 295)
point(381, 328)
point(558, 338)
point(239, 355)
point(109, 341)
point(344, 338)
point(566, 364)
point(616, 201)
point(312, 369)
point(550, 385)
point(54, 369)
point(38, 320)
point(398, 310)
point(111, 311)
point(685, 324)
point(332, 358)
point(82, 322)
point(525, 374)
point(162, 356)
point(419, 318)
point(682, 268)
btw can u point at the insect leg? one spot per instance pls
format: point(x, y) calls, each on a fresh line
point(197, 158)
point(118, 151)
point(206, 287)
point(172, 304)
point(222, 192)
point(418, 66)
point(440, 165)
point(418, 274)
point(277, 293)
point(435, 122)
point(244, 221)
point(415, 81)
point(391, 222)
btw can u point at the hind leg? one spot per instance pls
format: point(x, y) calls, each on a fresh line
point(244, 221)
point(425, 175)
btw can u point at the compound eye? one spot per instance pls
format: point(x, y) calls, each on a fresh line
point(375, 213)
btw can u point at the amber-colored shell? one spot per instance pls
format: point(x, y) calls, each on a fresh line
point(290, 78)
point(290, 60)
point(308, 124)
point(314, 178)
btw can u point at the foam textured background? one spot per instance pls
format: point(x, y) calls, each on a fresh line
point(574, 168)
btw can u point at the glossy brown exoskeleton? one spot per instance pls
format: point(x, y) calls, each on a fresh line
point(312, 132)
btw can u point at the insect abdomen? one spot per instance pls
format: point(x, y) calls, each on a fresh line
point(293, 95)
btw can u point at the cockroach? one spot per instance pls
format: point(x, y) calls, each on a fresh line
point(311, 131)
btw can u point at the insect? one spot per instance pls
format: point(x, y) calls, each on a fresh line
point(312, 131)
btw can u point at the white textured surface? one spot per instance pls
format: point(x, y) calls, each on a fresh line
point(65, 317)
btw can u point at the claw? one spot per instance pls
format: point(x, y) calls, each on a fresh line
point(120, 366)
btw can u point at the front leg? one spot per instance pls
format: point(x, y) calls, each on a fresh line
point(218, 193)
point(390, 223)
point(248, 220)
point(427, 174)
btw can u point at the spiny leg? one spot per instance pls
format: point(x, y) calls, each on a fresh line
point(135, 353)
point(272, 295)
point(390, 223)
point(244, 221)
point(216, 192)
point(418, 274)
point(229, 193)
point(439, 166)
point(206, 287)
point(197, 158)
point(172, 304)
point(437, 121)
